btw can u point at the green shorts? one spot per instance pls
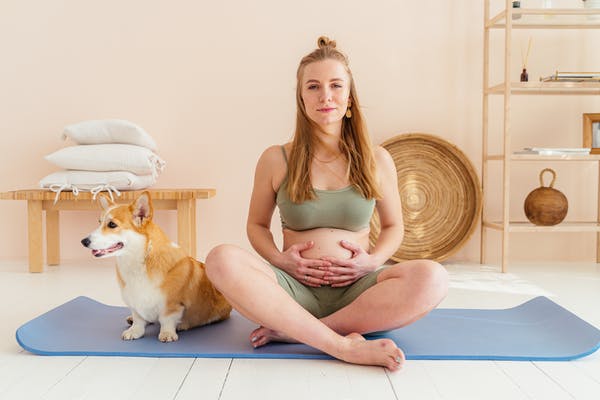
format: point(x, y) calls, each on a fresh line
point(324, 300)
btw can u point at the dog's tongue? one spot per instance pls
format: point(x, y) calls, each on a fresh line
point(98, 253)
point(101, 252)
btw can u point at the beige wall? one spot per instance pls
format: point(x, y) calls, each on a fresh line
point(213, 83)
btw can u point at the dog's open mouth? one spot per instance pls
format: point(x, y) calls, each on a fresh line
point(103, 252)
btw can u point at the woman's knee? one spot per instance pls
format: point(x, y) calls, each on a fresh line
point(220, 260)
point(436, 276)
point(429, 280)
point(424, 274)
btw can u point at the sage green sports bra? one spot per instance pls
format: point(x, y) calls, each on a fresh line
point(342, 209)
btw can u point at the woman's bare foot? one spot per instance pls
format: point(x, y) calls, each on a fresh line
point(383, 352)
point(261, 336)
point(355, 349)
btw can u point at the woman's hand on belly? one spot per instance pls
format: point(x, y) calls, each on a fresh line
point(345, 271)
point(309, 271)
point(342, 250)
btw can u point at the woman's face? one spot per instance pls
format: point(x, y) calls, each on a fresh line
point(325, 92)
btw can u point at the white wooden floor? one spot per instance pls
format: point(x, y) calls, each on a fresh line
point(24, 376)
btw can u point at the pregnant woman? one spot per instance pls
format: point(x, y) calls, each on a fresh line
point(327, 286)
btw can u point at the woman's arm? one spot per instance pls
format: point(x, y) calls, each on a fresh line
point(389, 209)
point(262, 205)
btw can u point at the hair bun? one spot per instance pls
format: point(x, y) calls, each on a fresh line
point(324, 41)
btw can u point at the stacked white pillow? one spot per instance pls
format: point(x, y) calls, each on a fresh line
point(108, 155)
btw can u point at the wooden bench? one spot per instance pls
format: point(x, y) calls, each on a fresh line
point(38, 201)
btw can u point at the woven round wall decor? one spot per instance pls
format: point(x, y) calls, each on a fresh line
point(440, 193)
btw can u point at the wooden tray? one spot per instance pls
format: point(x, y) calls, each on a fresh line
point(441, 196)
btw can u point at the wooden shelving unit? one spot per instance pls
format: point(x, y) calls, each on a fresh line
point(528, 19)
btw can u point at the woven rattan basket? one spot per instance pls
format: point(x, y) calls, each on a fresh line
point(441, 196)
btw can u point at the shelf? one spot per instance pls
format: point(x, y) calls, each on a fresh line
point(559, 88)
point(547, 18)
point(509, 20)
point(520, 226)
point(535, 157)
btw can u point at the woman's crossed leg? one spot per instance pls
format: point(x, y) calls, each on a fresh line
point(252, 289)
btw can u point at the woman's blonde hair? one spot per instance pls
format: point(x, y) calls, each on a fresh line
point(355, 143)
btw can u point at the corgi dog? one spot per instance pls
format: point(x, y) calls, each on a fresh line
point(159, 281)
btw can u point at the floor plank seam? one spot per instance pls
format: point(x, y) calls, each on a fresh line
point(553, 380)
point(65, 375)
point(389, 378)
point(184, 379)
point(225, 380)
point(512, 380)
point(430, 378)
point(585, 372)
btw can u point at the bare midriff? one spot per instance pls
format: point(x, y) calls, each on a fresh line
point(326, 241)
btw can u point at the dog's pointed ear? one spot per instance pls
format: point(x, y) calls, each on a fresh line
point(105, 201)
point(142, 209)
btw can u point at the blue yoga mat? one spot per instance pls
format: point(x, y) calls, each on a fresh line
point(536, 330)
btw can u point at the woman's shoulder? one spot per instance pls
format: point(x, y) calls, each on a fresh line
point(386, 167)
point(382, 155)
point(273, 163)
point(275, 154)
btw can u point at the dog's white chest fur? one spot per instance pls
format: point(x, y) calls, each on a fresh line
point(141, 293)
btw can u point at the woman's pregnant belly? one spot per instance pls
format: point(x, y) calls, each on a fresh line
point(326, 241)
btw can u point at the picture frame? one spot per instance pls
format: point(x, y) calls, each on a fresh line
point(591, 132)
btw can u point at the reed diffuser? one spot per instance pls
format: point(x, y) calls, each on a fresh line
point(524, 58)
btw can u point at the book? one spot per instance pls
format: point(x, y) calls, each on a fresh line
point(585, 150)
point(554, 151)
point(572, 77)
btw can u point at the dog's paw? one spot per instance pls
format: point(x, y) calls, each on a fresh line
point(166, 336)
point(131, 334)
